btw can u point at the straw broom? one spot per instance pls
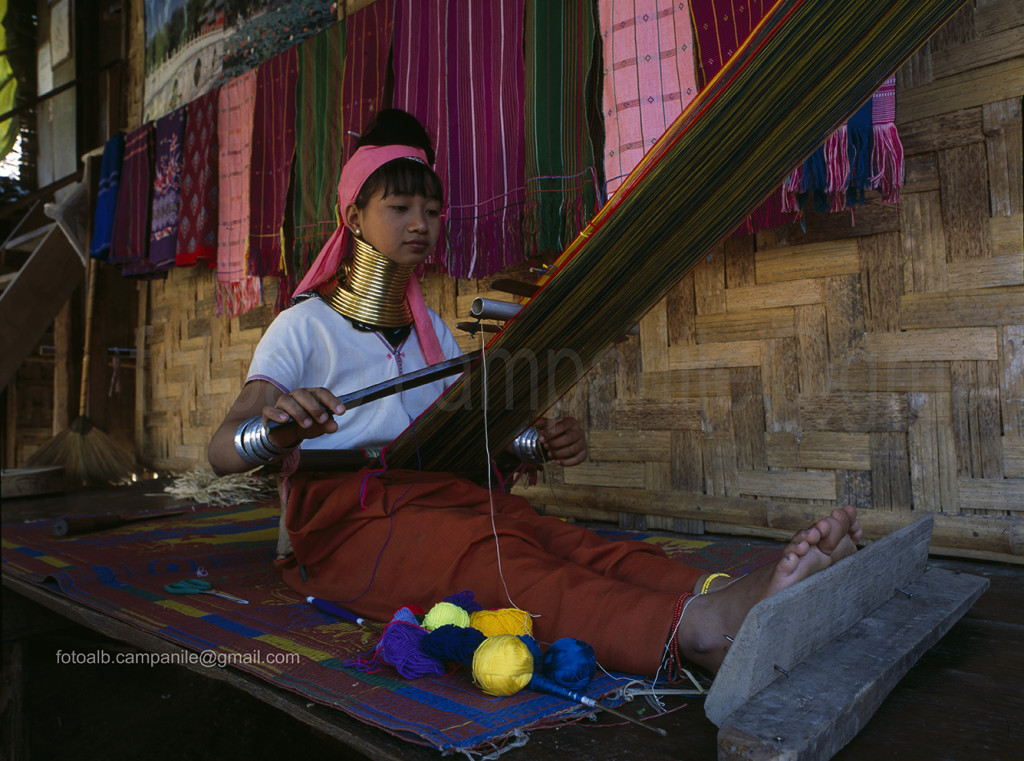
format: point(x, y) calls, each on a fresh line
point(89, 456)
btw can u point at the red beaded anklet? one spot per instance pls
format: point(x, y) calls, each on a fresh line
point(674, 659)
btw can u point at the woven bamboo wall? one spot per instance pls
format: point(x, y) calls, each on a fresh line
point(880, 364)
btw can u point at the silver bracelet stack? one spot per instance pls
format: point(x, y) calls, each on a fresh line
point(527, 447)
point(254, 445)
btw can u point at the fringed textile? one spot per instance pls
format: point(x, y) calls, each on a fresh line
point(237, 292)
point(836, 175)
point(273, 147)
point(800, 75)
point(459, 69)
point(886, 150)
point(163, 234)
point(130, 241)
point(106, 197)
point(561, 179)
point(318, 136)
point(649, 77)
point(200, 177)
point(367, 47)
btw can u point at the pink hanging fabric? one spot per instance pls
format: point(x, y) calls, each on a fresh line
point(649, 77)
point(237, 292)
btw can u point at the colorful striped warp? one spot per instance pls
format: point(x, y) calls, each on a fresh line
point(106, 197)
point(197, 225)
point(130, 241)
point(318, 141)
point(237, 292)
point(838, 173)
point(273, 147)
point(561, 180)
point(459, 69)
point(163, 233)
point(649, 77)
point(800, 74)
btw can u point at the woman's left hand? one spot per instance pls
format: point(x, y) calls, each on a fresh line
point(564, 440)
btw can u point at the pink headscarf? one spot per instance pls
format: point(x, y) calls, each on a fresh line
point(364, 162)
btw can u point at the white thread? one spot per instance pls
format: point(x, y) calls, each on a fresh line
point(490, 492)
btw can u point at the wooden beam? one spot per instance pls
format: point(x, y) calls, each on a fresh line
point(30, 303)
point(828, 699)
point(782, 631)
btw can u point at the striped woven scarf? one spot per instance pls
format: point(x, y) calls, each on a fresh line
point(130, 242)
point(273, 147)
point(318, 140)
point(459, 69)
point(237, 292)
point(799, 75)
point(561, 180)
point(649, 77)
point(367, 46)
point(106, 197)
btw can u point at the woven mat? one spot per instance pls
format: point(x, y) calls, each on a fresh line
point(277, 636)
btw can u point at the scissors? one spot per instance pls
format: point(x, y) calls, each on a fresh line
point(198, 587)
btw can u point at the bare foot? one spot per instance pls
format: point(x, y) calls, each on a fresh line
point(709, 618)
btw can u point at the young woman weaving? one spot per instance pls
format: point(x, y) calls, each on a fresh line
point(377, 540)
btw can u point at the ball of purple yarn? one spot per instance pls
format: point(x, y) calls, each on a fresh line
point(453, 643)
point(401, 646)
point(570, 662)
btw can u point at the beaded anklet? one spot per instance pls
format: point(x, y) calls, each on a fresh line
point(674, 658)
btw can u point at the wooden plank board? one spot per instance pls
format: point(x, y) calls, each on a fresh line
point(947, 345)
point(827, 700)
point(812, 260)
point(29, 304)
point(996, 271)
point(968, 89)
point(974, 307)
point(792, 484)
point(25, 482)
point(769, 638)
point(823, 450)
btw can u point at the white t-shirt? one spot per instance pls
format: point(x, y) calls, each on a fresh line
point(310, 345)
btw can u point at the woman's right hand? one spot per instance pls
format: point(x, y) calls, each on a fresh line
point(304, 413)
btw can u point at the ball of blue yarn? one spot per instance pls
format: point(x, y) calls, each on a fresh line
point(570, 662)
point(453, 643)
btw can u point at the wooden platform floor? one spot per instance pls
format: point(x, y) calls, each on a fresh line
point(963, 701)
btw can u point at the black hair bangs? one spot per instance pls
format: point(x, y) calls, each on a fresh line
point(401, 177)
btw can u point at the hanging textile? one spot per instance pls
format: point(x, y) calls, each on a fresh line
point(649, 77)
point(106, 197)
point(163, 235)
point(800, 74)
point(367, 48)
point(197, 223)
point(273, 147)
point(836, 175)
point(318, 138)
point(129, 243)
point(326, 142)
point(561, 179)
point(459, 69)
point(237, 292)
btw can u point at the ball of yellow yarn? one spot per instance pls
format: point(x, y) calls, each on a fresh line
point(502, 665)
point(502, 621)
point(445, 613)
